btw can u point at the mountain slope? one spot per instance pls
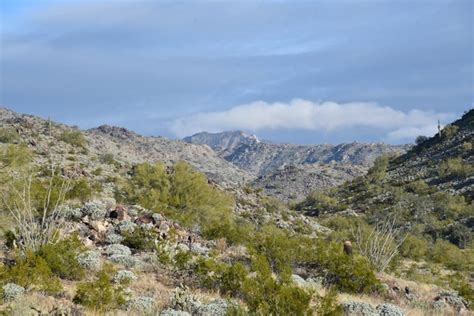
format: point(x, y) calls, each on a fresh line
point(125, 146)
point(260, 157)
point(445, 161)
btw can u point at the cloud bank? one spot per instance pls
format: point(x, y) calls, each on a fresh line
point(301, 114)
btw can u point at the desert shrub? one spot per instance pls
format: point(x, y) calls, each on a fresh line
point(140, 239)
point(348, 273)
point(61, 257)
point(266, 295)
point(14, 156)
point(454, 167)
point(328, 305)
point(452, 257)
point(414, 247)
point(449, 131)
point(11, 291)
point(74, 138)
point(277, 246)
point(318, 203)
point(124, 277)
point(181, 193)
point(458, 283)
point(90, 259)
point(418, 187)
point(97, 171)
point(449, 206)
point(353, 275)
point(80, 190)
point(378, 171)
point(467, 146)
point(101, 294)
point(182, 259)
point(8, 135)
point(108, 158)
point(380, 244)
point(31, 271)
point(35, 202)
point(458, 234)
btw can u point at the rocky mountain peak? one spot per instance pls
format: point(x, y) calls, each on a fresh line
point(114, 131)
point(224, 141)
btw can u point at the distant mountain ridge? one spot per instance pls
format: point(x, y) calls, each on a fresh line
point(262, 157)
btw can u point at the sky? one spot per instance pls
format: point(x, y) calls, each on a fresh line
point(288, 71)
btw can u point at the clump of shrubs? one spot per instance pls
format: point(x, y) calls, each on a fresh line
point(101, 294)
point(74, 138)
point(8, 135)
point(180, 192)
point(43, 269)
point(454, 167)
point(61, 258)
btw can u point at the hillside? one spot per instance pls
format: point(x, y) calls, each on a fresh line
point(106, 221)
point(445, 161)
point(295, 182)
point(126, 147)
point(290, 172)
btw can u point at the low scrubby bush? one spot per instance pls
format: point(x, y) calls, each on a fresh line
point(74, 138)
point(8, 135)
point(101, 294)
point(61, 258)
point(31, 271)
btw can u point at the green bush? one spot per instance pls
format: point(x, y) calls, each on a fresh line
point(61, 258)
point(265, 295)
point(378, 171)
point(101, 294)
point(458, 283)
point(140, 239)
point(454, 167)
point(348, 273)
point(81, 190)
point(449, 131)
point(31, 271)
point(108, 159)
point(14, 156)
point(74, 138)
point(181, 193)
point(8, 135)
point(318, 203)
point(452, 257)
point(414, 247)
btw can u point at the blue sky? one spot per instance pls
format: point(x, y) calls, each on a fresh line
point(289, 71)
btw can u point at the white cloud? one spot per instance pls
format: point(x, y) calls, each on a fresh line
point(315, 116)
